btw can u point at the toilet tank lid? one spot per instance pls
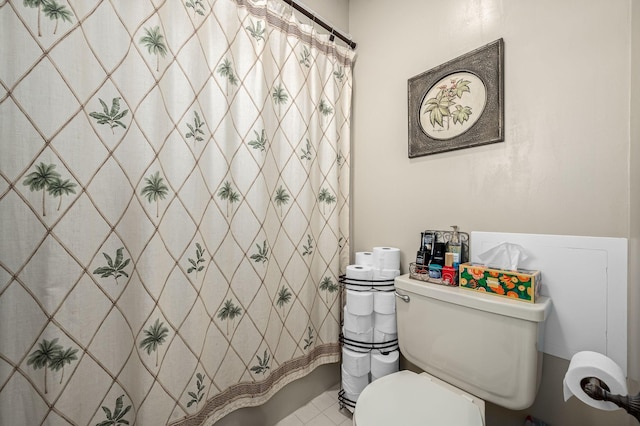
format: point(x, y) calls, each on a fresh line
point(535, 312)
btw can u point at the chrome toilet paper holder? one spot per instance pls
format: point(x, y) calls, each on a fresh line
point(598, 390)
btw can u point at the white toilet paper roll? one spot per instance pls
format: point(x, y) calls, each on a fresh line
point(382, 337)
point(354, 384)
point(359, 302)
point(385, 323)
point(381, 365)
point(384, 302)
point(357, 323)
point(360, 274)
point(364, 258)
point(592, 364)
point(385, 274)
point(386, 258)
point(382, 275)
point(356, 363)
point(363, 337)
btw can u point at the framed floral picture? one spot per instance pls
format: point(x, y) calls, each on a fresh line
point(458, 104)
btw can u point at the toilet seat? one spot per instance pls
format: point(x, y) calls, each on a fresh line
point(409, 399)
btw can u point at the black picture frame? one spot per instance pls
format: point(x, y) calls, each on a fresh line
point(445, 89)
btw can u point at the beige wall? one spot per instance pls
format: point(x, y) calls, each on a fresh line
point(567, 165)
point(333, 12)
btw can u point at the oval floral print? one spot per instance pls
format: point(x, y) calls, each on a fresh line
point(453, 105)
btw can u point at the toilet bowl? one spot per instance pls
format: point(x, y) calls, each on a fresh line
point(409, 399)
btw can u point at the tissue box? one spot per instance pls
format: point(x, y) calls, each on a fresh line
point(521, 284)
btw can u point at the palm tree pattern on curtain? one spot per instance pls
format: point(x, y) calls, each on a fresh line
point(174, 208)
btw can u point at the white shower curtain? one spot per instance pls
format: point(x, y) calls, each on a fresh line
point(174, 204)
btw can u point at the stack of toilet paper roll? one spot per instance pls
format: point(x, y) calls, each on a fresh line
point(358, 316)
point(356, 367)
point(361, 368)
point(381, 264)
point(369, 317)
point(358, 326)
point(384, 317)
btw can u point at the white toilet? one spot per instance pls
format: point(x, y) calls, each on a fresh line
point(473, 347)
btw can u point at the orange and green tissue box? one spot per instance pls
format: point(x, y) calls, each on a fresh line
point(521, 284)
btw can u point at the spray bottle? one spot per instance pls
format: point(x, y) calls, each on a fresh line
point(454, 246)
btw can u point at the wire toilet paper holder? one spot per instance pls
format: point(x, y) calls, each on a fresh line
point(386, 285)
point(362, 347)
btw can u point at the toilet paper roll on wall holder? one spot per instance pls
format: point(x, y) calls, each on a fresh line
point(598, 390)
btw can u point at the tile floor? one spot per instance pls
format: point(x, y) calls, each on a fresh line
point(323, 410)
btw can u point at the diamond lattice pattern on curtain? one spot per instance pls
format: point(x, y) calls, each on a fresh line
point(174, 206)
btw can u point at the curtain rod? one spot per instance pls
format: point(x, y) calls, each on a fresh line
point(315, 19)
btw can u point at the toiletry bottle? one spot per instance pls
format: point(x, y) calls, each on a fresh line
point(435, 271)
point(454, 246)
point(448, 271)
point(420, 256)
point(437, 254)
point(427, 241)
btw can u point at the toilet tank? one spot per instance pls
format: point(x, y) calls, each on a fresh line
point(486, 345)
